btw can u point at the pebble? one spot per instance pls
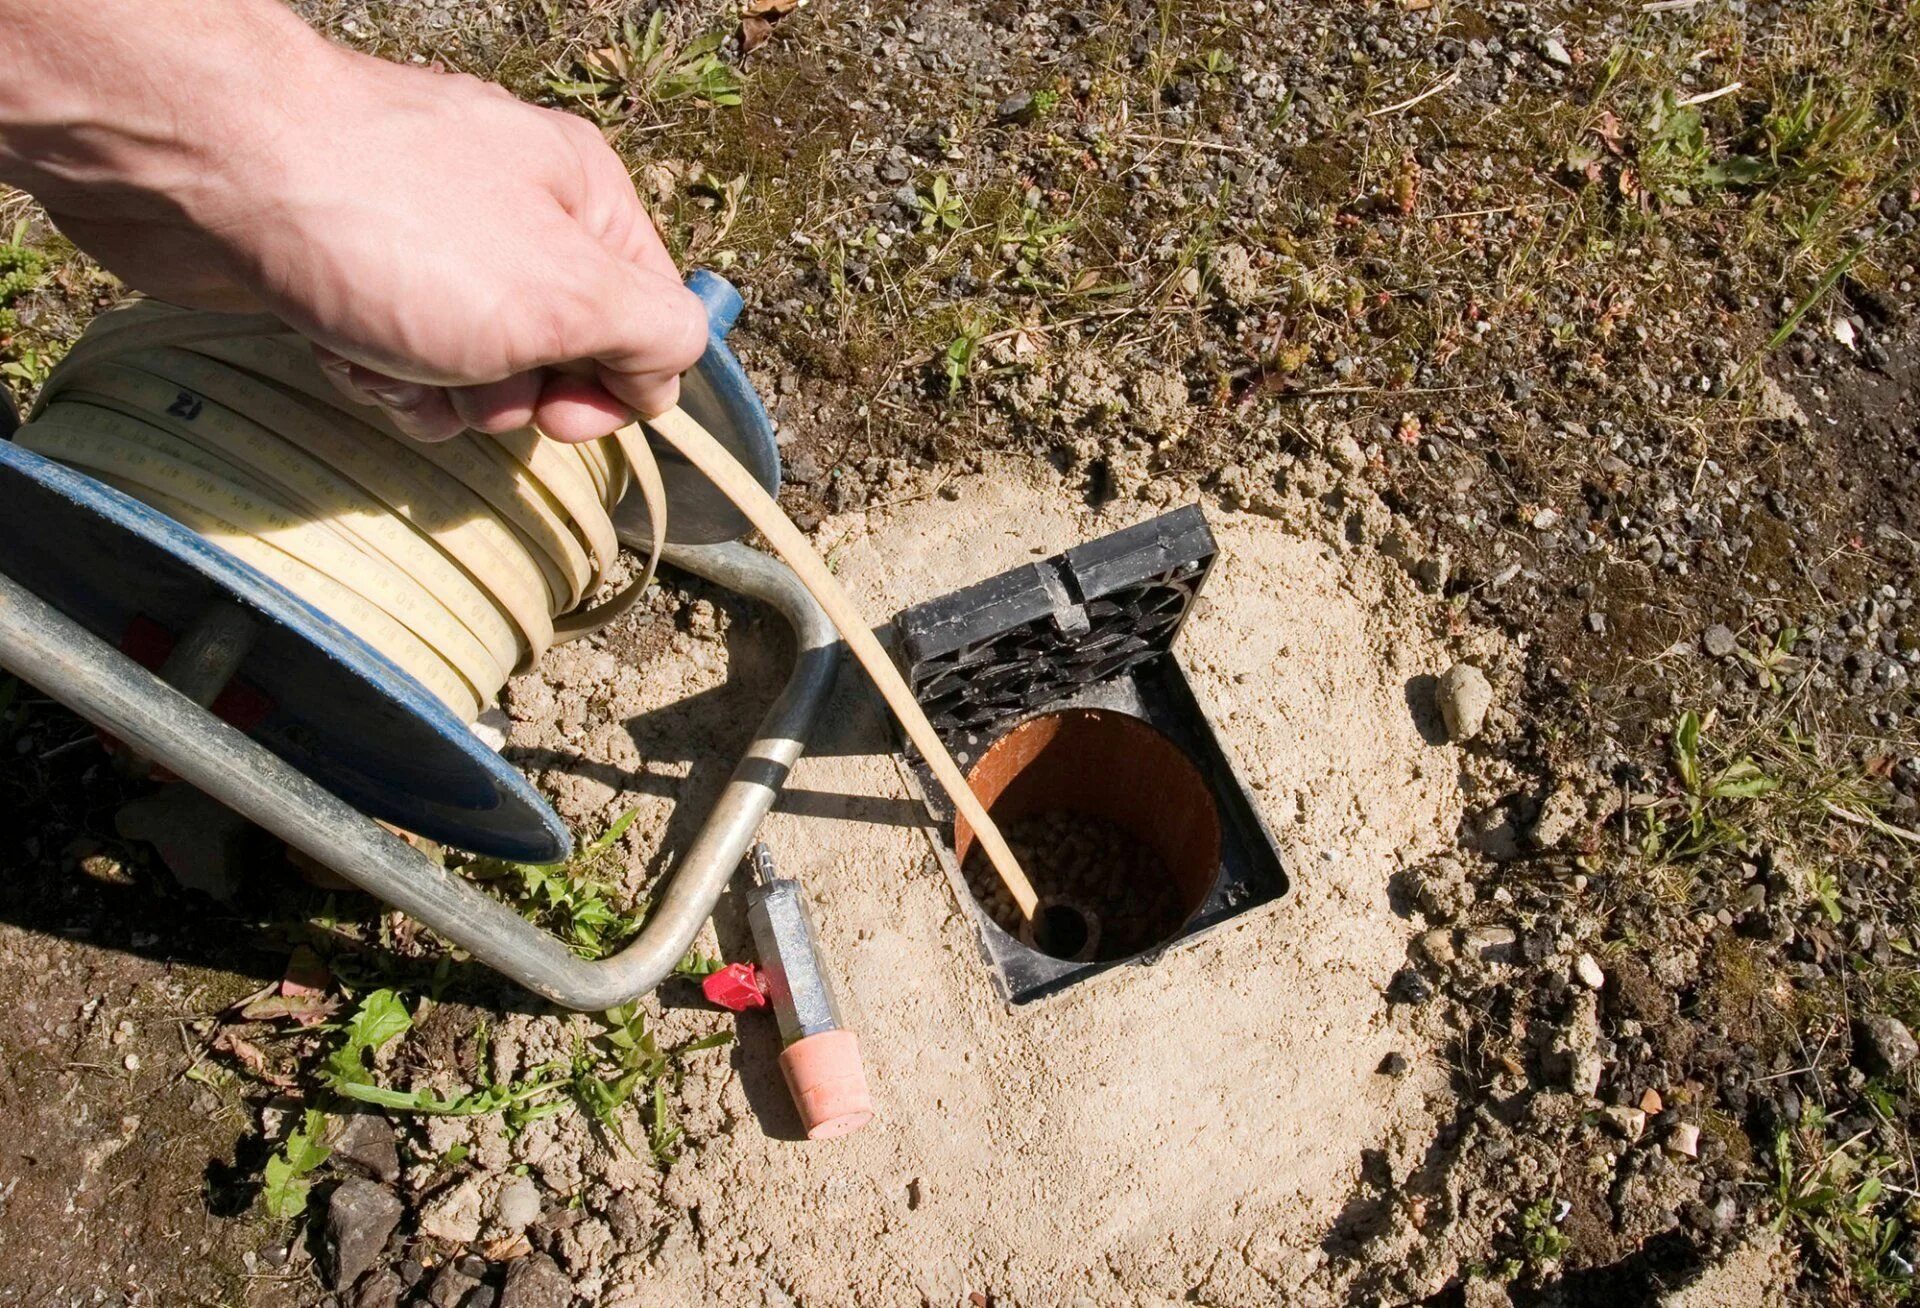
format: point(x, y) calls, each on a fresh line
point(517, 1206)
point(1562, 815)
point(1464, 696)
point(1016, 108)
point(1584, 1069)
point(536, 1281)
point(1630, 1122)
point(367, 1141)
point(1684, 1139)
point(453, 1288)
point(1882, 1045)
point(1587, 969)
point(1554, 52)
point(1718, 640)
point(380, 1289)
point(361, 1216)
point(1490, 944)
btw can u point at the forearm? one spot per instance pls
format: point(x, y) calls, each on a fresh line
point(141, 101)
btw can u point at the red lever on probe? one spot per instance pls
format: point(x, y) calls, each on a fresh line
point(737, 986)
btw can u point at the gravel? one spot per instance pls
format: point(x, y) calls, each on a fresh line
point(1095, 865)
point(1718, 640)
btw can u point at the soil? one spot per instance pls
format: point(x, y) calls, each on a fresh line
point(1575, 343)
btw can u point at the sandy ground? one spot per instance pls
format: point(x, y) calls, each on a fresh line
point(1194, 1127)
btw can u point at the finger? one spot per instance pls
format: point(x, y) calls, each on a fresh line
point(499, 406)
point(339, 371)
point(575, 409)
point(421, 411)
point(653, 329)
point(645, 393)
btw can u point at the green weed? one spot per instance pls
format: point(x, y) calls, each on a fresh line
point(956, 362)
point(602, 1075)
point(22, 271)
point(286, 1182)
point(1703, 816)
point(1767, 658)
point(1839, 1202)
point(1541, 1239)
point(940, 207)
point(569, 899)
point(641, 70)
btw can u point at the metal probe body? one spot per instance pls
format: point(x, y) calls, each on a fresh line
point(789, 951)
point(821, 1059)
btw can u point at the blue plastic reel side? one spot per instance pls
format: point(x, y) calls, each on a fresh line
point(341, 712)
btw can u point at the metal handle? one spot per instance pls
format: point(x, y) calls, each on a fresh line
point(46, 648)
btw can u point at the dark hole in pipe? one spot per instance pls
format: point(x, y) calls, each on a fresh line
point(1112, 822)
point(1062, 930)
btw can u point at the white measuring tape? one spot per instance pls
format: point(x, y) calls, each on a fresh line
point(462, 561)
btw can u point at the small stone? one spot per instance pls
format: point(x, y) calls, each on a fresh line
point(1587, 969)
point(517, 1206)
point(1464, 696)
point(452, 1288)
point(1408, 987)
point(1554, 52)
point(1490, 944)
point(493, 727)
point(455, 1214)
point(1718, 640)
point(1597, 623)
point(1394, 1065)
point(1684, 1139)
point(1546, 519)
point(366, 1141)
point(1231, 272)
point(1561, 817)
point(1882, 1045)
point(1630, 1122)
point(1346, 453)
point(361, 1216)
point(1584, 1070)
point(1442, 890)
point(1437, 947)
point(381, 1289)
point(1651, 1103)
point(536, 1281)
point(1016, 108)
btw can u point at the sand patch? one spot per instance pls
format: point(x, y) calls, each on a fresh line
point(1194, 1125)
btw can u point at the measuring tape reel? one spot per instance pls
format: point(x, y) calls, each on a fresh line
point(302, 684)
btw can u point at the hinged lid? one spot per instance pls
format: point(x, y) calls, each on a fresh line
point(1014, 643)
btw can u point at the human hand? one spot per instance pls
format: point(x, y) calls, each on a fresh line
point(457, 257)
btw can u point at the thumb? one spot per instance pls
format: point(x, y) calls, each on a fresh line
point(649, 329)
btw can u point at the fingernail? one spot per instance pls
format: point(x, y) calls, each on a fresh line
point(398, 394)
